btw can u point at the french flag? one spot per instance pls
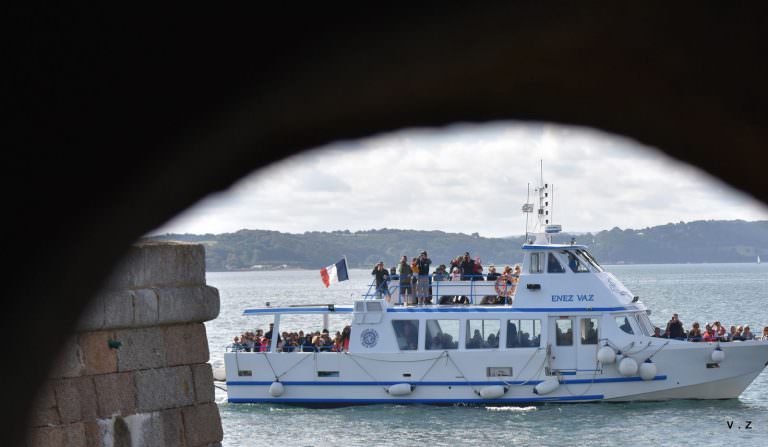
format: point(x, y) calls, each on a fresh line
point(335, 273)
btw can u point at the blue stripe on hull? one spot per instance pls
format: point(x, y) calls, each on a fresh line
point(511, 400)
point(487, 383)
point(506, 309)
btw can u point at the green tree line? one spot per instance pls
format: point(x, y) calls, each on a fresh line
point(698, 241)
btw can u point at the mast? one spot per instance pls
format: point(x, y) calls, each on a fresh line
point(544, 227)
point(528, 208)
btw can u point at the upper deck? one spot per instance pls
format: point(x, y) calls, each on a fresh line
point(553, 277)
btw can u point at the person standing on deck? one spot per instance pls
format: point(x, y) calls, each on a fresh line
point(424, 281)
point(382, 281)
point(675, 328)
point(467, 267)
point(405, 272)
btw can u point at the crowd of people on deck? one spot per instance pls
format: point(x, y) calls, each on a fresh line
point(711, 332)
point(414, 282)
point(311, 341)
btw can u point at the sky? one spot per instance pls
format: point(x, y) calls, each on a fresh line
point(469, 178)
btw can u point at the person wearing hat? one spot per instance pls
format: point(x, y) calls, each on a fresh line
point(382, 281)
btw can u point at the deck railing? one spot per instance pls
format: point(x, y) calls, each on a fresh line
point(431, 288)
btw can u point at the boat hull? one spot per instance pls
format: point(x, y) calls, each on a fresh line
point(685, 371)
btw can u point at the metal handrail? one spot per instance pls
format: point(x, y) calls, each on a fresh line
point(444, 281)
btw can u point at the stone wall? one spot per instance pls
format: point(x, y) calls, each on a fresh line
point(135, 374)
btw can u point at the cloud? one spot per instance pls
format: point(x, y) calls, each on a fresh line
point(470, 178)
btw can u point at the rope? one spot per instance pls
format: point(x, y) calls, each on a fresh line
point(463, 376)
point(536, 374)
point(365, 371)
point(591, 382)
point(270, 365)
point(658, 350)
point(432, 366)
point(277, 377)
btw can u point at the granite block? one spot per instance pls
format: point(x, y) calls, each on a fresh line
point(140, 349)
point(202, 425)
point(186, 344)
point(98, 357)
point(163, 388)
point(116, 394)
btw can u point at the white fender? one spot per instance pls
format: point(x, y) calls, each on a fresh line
point(219, 374)
point(400, 389)
point(648, 370)
point(276, 389)
point(492, 392)
point(718, 355)
point(547, 386)
point(606, 355)
point(619, 357)
point(628, 367)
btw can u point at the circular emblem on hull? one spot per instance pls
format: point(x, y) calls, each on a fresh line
point(369, 338)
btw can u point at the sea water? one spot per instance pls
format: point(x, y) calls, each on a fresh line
point(731, 293)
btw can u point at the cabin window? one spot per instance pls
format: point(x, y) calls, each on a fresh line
point(406, 334)
point(645, 329)
point(590, 259)
point(645, 324)
point(623, 323)
point(564, 332)
point(483, 334)
point(537, 263)
point(442, 334)
point(589, 331)
point(574, 264)
point(523, 333)
point(553, 265)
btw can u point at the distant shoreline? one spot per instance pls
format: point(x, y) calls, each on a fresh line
point(296, 269)
point(692, 242)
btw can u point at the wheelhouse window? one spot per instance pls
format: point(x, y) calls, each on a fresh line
point(442, 334)
point(645, 323)
point(589, 331)
point(553, 264)
point(537, 263)
point(407, 334)
point(523, 333)
point(590, 259)
point(575, 264)
point(483, 334)
point(624, 325)
point(564, 332)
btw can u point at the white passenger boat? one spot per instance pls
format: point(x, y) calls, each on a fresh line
point(572, 333)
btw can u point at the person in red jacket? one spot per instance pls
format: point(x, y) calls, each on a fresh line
point(709, 334)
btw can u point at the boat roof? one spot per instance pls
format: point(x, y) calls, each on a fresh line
point(430, 309)
point(302, 309)
point(554, 247)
